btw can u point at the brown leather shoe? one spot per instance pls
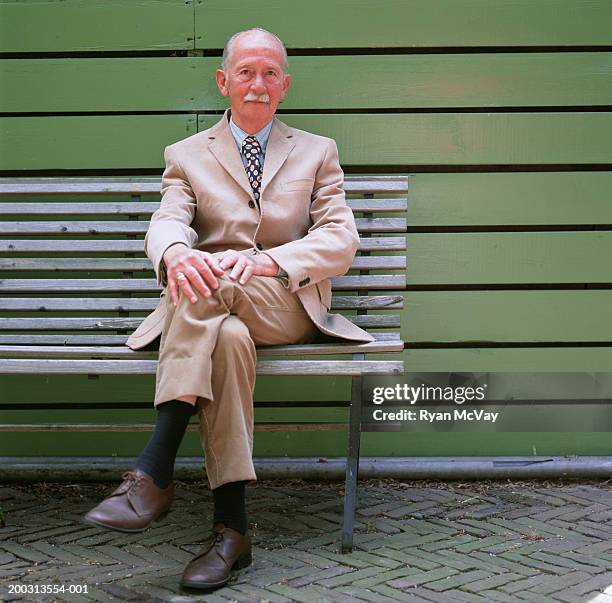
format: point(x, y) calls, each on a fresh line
point(134, 505)
point(225, 550)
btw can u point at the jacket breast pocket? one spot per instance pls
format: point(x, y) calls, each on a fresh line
point(299, 184)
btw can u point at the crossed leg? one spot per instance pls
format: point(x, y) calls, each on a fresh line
point(207, 357)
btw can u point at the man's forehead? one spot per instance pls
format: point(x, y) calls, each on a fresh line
point(251, 47)
point(249, 60)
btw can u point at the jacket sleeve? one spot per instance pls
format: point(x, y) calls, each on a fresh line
point(329, 246)
point(170, 223)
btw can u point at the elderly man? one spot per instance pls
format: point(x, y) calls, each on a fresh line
point(252, 224)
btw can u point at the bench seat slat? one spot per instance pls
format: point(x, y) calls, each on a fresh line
point(99, 339)
point(16, 366)
point(318, 349)
point(146, 208)
point(368, 281)
point(374, 262)
point(101, 186)
point(389, 243)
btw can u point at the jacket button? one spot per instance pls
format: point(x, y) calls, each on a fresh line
point(251, 204)
point(304, 282)
point(259, 246)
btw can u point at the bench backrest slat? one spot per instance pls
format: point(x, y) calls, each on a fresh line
point(135, 304)
point(376, 262)
point(56, 255)
point(140, 227)
point(146, 208)
point(107, 186)
point(390, 243)
point(101, 339)
point(120, 323)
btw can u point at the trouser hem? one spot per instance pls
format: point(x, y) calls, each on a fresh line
point(183, 380)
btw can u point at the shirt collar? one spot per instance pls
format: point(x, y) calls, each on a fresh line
point(262, 136)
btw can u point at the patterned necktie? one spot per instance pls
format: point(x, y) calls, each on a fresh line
point(251, 150)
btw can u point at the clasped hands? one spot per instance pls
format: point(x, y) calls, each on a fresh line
point(187, 268)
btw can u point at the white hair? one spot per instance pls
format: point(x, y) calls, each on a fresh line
point(228, 47)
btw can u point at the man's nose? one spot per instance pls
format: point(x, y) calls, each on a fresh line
point(258, 85)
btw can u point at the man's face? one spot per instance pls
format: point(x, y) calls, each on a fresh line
point(254, 79)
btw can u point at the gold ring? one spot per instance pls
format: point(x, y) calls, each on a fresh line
point(180, 276)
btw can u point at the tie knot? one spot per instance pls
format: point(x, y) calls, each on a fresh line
point(251, 144)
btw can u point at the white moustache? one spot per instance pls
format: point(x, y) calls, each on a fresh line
point(264, 98)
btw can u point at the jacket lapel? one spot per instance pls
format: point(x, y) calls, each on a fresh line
point(278, 149)
point(223, 146)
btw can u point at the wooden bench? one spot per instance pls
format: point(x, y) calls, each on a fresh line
point(35, 234)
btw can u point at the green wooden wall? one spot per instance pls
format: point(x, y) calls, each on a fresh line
point(498, 110)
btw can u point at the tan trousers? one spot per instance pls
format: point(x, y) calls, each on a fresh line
point(207, 349)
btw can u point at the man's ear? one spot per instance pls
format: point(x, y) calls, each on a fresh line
point(287, 84)
point(221, 82)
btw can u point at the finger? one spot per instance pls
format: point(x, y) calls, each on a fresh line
point(198, 268)
point(174, 292)
point(213, 262)
point(239, 266)
point(247, 273)
point(194, 278)
point(230, 257)
point(186, 289)
point(204, 271)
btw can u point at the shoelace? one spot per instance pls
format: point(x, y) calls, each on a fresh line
point(132, 479)
point(213, 539)
point(132, 476)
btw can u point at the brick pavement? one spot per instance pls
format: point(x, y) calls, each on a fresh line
point(415, 541)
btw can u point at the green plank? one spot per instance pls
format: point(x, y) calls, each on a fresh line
point(79, 389)
point(86, 25)
point(517, 198)
point(123, 418)
point(509, 258)
point(410, 23)
point(400, 81)
point(332, 443)
point(471, 317)
point(137, 141)
point(108, 84)
point(55, 388)
point(450, 80)
point(450, 139)
point(96, 142)
point(515, 359)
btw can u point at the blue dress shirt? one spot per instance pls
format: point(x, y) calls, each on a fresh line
point(262, 137)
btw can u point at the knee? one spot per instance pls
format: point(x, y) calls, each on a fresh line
point(218, 299)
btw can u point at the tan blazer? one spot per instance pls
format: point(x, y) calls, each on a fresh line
point(304, 224)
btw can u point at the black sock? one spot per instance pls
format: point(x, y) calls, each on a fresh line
point(230, 506)
point(159, 455)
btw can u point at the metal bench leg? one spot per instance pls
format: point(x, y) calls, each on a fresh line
point(352, 466)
